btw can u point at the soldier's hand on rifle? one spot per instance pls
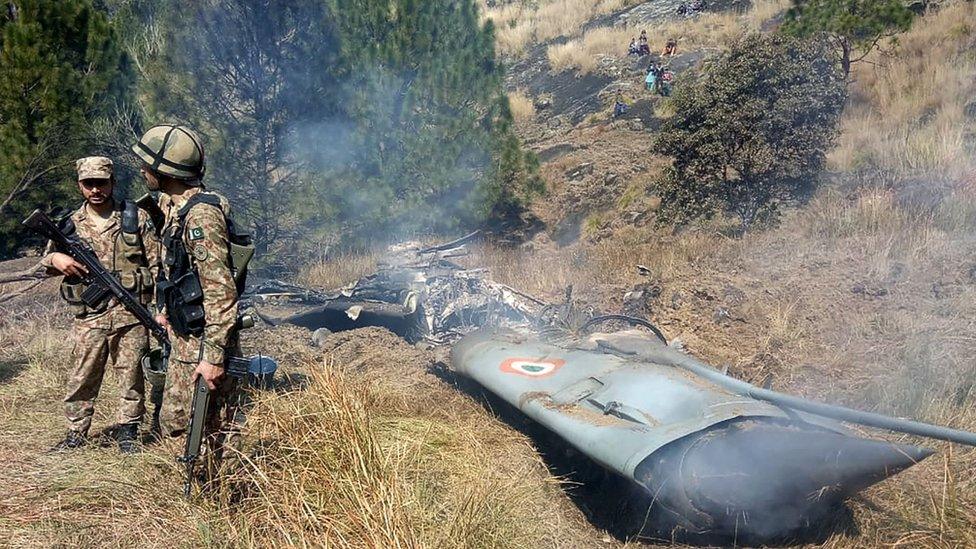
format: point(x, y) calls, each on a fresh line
point(210, 372)
point(67, 264)
point(162, 321)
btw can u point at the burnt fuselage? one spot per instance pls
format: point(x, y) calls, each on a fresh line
point(714, 461)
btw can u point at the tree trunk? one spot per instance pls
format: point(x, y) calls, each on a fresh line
point(845, 59)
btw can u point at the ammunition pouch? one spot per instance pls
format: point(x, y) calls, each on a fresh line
point(84, 299)
point(183, 299)
point(71, 292)
point(129, 280)
point(145, 285)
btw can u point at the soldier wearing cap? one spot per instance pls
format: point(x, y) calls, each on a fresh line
point(199, 290)
point(107, 337)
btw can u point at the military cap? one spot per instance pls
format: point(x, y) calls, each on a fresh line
point(94, 167)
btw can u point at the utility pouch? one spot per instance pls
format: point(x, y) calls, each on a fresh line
point(129, 280)
point(189, 287)
point(71, 292)
point(130, 225)
point(130, 218)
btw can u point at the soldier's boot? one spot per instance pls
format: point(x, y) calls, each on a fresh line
point(128, 438)
point(74, 439)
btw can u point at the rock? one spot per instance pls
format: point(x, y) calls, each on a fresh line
point(551, 153)
point(609, 178)
point(862, 288)
point(703, 294)
point(578, 172)
point(319, 336)
point(638, 302)
point(721, 315)
point(733, 295)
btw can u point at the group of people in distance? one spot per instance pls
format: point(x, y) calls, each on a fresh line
point(639, 47)
point(658, 79)
point(688, 9)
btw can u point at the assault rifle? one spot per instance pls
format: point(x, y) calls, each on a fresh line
point(101, 283)
point(199, 412)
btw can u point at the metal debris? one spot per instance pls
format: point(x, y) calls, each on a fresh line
point(417, 292)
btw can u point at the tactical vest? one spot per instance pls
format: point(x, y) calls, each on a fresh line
point(128, 262)
point(181, 291)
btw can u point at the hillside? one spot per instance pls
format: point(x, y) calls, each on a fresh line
point(863, 296)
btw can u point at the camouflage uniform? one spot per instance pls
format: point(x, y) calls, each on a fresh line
point(110, 335)
point(206, 239)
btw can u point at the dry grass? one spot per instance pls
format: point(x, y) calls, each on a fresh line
point(523, 108)
point(338, 271)
point(348, 459)
point(710, 30)
point(908, 113)
point(345, 464)
point(520, 24)
point(584, 54)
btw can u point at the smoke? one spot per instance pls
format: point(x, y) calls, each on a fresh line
point(390, 166)
point(328, 121)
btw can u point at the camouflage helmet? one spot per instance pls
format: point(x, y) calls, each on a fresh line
point(172, 150)
point(154, 367)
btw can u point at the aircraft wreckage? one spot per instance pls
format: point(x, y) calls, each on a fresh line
point(719, 456)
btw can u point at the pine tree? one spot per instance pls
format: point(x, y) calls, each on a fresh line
point(440, 151)
point(359, 117)
point(853, 27)
point(244, 73)
point(62, 75)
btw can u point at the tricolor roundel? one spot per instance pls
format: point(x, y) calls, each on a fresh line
point(532, 367)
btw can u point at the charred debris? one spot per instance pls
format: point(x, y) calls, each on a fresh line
point(717, 456)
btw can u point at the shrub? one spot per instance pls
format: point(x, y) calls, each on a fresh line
point(751, 130)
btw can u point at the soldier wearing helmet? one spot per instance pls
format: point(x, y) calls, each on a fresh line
point(198, 290)
point(107, 337)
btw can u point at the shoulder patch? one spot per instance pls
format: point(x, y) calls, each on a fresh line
point(200, 253)
point(196, 233)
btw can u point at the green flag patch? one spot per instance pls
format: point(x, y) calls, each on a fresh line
point(196, 233)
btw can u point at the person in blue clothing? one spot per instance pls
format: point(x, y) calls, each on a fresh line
point(619, 107)
point(651, 79)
